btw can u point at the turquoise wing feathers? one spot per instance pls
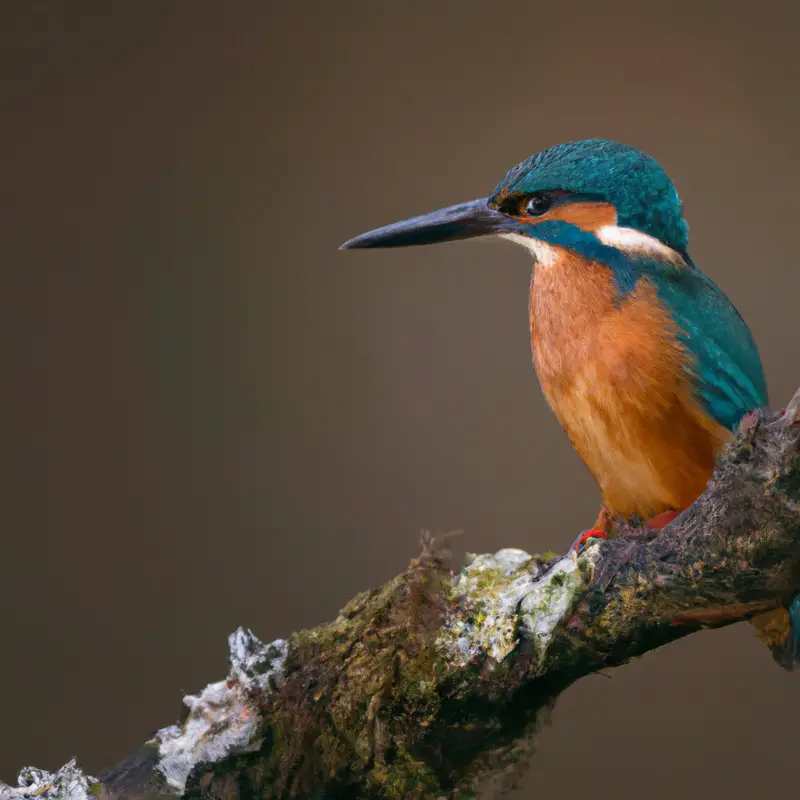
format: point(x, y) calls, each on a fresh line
point(727, 370)
point(728, 377)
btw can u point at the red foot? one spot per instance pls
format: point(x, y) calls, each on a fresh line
point(752, 417)
point(584, 537)
point(660, 521)
point(748, 420)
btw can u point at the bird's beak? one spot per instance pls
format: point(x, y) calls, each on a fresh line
point(464, 221)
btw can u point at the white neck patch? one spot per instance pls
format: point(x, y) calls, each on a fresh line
point(626, 240)
point(629, 240)
point(544, 254)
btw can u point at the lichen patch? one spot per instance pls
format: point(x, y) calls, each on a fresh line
point(486, 596)
point(69, 783)
point(551, 598)
point(224, 718)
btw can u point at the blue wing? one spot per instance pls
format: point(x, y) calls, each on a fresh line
point(728, 374)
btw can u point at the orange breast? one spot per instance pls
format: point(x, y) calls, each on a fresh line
point(615, 376)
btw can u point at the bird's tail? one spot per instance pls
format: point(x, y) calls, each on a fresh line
point(780, 631)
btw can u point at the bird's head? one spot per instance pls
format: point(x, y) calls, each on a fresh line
point(580, 195)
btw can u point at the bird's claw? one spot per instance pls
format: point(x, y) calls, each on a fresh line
point(660, 521)
point(583, 537)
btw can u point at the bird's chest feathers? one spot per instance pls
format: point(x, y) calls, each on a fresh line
point(612, 369)
point(591, 345)
point(586, 338)
point(569, 302)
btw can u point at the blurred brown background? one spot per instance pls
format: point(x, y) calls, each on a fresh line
point(211, 417)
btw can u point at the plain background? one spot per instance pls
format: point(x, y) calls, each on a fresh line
point(211, 417)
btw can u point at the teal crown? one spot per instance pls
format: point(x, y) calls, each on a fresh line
point(636, 184)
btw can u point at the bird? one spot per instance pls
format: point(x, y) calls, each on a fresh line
point(646, 363)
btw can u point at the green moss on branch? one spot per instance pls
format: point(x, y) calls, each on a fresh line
point(434, 684)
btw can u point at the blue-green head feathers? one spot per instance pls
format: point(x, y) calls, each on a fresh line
point(632, 181)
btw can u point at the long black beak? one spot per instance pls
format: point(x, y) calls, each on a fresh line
point(464, 221)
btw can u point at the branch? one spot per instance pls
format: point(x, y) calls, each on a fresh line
point(434, 684)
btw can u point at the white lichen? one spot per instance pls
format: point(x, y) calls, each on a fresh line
point(225, 717)
point(254, 663)
point(69, 783)
point(487, 596)
point(499, 599)
point(552, 597)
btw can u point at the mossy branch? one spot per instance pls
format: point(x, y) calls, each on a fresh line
point(433, 685)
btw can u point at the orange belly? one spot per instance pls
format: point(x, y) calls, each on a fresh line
point(616, 376)
point(643, 463)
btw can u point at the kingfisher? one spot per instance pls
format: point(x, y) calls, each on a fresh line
point(644, 360)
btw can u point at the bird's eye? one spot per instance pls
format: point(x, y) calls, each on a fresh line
point(537, 205)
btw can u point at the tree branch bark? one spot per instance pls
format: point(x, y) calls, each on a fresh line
point(434, 684)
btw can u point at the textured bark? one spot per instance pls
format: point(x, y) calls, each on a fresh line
point(433, 685)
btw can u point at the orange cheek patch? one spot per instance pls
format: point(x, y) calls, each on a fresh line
point(585, 215)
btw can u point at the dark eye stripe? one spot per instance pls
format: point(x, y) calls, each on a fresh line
point(535, 205)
